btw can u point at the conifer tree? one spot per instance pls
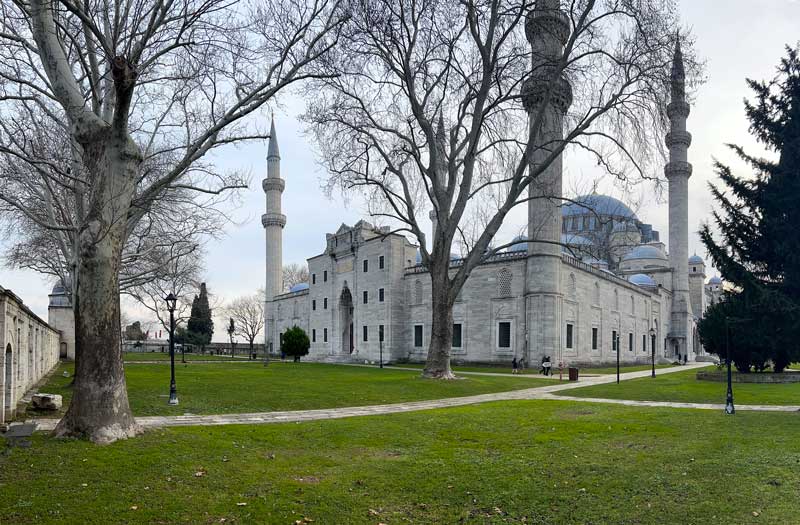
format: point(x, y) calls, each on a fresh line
point(200, 327)
point(759, 219)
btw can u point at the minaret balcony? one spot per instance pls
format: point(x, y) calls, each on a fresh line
point(535, 88)
point(546, 22)
point(273, 184)
point(273, 219)
point(678, 138)
point(678, 169)
point(678, 108)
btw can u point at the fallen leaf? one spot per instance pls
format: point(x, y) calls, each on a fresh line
point(755, 513)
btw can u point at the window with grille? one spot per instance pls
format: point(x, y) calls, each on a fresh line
point(366, 296)
point(366, 333)
point(325, 335)
point(366, 265)
point(594, 338)
point(380, 262)
point(569, 335)
point(325, 303)
point(313, 335)
point(313, 304)
point(613, 340)
point(313, 278)
point(325, 276)
point(630, 342)
point(380, 333)
point(380, 294)
point(504, 283)
point(418, 335)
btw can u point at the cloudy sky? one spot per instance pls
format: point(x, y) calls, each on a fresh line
point(738, 38)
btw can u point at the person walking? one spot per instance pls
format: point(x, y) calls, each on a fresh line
point(514, 365)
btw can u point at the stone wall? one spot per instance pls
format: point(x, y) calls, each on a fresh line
point(29, 349)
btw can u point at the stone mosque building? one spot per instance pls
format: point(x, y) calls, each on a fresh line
point(602, 284)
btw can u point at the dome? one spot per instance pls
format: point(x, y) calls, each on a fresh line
point(61, 287)
point(520, 244)
point(299, 287)
point(715, 280)
point(599, 204)
point(696, 259)
point(641, 279)
point(645, 252)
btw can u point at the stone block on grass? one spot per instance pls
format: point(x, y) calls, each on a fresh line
point(46, 401)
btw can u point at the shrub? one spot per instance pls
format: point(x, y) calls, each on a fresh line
point(295, 343)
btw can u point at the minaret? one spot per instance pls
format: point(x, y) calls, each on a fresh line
point(678, 171)
point(273, 221)
point(547, 29)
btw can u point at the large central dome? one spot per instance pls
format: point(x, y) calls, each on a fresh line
point(599, 205)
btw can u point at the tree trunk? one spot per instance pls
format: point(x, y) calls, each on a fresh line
point(438, 363)
point(99, 409)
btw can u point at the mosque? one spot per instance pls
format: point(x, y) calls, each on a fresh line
point(597, 282)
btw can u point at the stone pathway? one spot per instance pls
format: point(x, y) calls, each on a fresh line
point(544, 392)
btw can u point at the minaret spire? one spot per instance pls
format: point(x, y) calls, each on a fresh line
point(273, 221)
point(678, 171)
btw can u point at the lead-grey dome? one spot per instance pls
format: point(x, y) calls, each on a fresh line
point(597, 204)
point(645, 252)
point(643, 280)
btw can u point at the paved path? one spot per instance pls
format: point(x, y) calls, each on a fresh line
point(544, 392)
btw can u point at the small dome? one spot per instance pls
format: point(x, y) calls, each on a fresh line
point(599, 204)
point(715, 280)
point(520, 244)
point(298, 287)
point(641, 279)
point(645, 252)
point(696, 259)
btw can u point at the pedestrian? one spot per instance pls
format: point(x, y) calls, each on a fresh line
point(514, 365)
point(547, 365)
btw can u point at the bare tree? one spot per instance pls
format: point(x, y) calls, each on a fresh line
point(248, 315)
point(294, 274)
point(464, 108)
point(138, 84)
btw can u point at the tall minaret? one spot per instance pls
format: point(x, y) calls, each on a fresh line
point(678, 171)
point(273, 221)
point(547, 28)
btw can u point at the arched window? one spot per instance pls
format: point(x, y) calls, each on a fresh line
point(418, 291)
point(616, 300)
point(504, 283)
point(596, 293)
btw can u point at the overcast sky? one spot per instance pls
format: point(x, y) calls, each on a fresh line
point(738, 38)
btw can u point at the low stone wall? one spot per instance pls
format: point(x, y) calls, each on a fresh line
point(754, 377)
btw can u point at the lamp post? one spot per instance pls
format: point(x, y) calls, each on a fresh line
point(173, 391)
point(729, 409)
point(231, 330)
point(653, 350)
point(618, 352)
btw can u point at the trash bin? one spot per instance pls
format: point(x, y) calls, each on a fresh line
point(573, 373)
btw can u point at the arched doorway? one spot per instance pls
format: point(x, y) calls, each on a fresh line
point(8, 375)
point(346, 320)
point(63, 350)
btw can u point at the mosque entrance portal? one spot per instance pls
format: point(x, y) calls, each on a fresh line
point(346, 320)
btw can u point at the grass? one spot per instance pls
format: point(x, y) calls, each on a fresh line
point(685, 387)
point(542, 462)
point(221, 388)
point(535, 370)
point(130, 357)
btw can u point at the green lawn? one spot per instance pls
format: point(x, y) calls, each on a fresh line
point(542, 462)
point(220, 388)
point(535, 371)
point(684, 387)
point(164, 356)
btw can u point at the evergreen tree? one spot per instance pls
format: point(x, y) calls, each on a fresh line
point(295, 343)
point(200, 327)
point(759, 250)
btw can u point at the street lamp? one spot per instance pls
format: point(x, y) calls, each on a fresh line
point(618, 352)
point(653, 350)
point(173, 391)
point(729, 409)
point(231, 330)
